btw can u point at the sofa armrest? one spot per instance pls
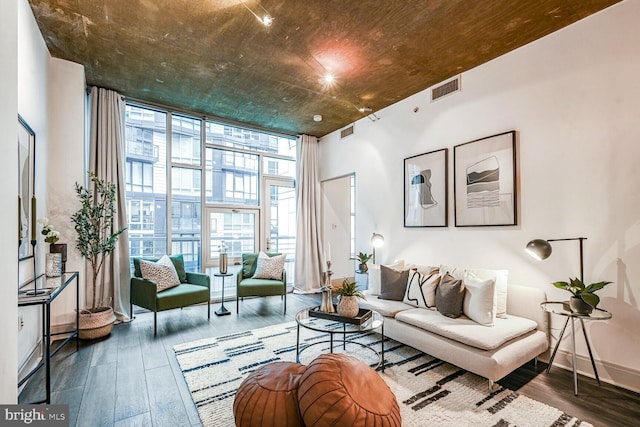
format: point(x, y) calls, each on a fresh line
point(143, 293)
point(199, 279)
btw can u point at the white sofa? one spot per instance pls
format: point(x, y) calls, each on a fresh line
point(489, 351)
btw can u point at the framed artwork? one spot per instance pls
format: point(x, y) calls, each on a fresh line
point(26, 189)
point(485, 181)
point(425, 189)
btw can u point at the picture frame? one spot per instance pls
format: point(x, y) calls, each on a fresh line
point(426, 189)
point(485, 181)
point(26, 189)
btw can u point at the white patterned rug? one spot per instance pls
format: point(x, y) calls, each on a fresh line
point(430, 392)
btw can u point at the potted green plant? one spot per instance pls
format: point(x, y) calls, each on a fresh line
point(349, 294)
point(583, 299)
point(95, 241)
point(363, 258)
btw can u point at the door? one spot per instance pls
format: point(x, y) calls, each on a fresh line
point(235, 229)
point(280, 221)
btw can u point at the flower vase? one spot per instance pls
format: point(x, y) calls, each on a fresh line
point(223, 263)
point(348, 306)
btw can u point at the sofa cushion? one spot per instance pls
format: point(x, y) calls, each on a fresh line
point(374, 280)
point(269, 267)
point(393, 283)
point(387, 308)
point(500, 276)
point(479, 299)
point(162, 272)
point(182, 296)
point(465, 330)
point(421, 287)
point(450, 296)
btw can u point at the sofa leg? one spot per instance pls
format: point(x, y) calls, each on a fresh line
point(535, 363)
point(490, 386)
point(155, 323)
point(131, 311)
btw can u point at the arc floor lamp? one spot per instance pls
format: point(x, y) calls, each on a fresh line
point(541, 249)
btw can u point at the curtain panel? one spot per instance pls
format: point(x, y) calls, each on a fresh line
point(106, 160)
point(309, 261)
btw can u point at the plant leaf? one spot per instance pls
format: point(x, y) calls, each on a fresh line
point(591, 299)
point(596, 286)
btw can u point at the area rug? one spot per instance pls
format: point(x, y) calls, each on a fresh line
point(430, 392)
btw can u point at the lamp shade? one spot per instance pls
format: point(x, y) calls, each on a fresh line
point(539, 249)
point(377, 240)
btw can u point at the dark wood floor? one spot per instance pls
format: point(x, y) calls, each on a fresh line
point(133, 379)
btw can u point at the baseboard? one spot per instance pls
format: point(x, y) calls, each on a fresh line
point(32, 360)
point(611, 373)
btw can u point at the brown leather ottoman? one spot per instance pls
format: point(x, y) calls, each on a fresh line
point(269, 396)
point(339, 390)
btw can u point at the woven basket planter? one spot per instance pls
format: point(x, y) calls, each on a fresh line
point(96, 323)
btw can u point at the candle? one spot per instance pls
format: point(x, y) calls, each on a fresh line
point(19, 218)
point(328, 251)
point(33, 218)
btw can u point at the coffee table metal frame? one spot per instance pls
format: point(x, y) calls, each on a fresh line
point(333, 327)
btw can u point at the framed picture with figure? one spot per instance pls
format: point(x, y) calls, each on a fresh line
point(425, 189)
point(484, 176)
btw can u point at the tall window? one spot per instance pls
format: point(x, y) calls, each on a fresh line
point(177, 162)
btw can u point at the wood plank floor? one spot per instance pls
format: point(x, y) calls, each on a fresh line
point(133, 379)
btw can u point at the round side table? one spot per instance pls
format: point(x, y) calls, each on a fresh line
point(562, 309)
point(222, 311)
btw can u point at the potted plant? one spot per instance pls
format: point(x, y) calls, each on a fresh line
point(96, 240)
point(363, 258)
point(583, 299)
point(349, 294)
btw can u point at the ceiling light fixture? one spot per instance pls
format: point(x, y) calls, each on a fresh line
point(317, 118)
point(329, 79)
point(266, 20)
point(365, 109)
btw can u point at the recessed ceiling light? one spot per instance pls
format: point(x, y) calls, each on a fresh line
point(364, 109)
point(267, 20)
point(328, 78)
point(317, 118)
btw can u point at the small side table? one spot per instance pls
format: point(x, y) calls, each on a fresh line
point(559, 308)
point(222, 311)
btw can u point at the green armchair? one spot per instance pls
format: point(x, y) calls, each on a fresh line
point(194, 288)
point(248, 286)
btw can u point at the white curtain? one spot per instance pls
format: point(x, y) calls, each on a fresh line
point(106, 160)
point(309, 255)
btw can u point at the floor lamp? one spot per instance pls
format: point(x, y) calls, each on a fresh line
point(377, 241)
point(540, 249)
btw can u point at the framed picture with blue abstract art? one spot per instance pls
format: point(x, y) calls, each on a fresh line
point(485, 181)
point(425, 189)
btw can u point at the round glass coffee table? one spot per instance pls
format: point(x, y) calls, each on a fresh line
point(349, 331)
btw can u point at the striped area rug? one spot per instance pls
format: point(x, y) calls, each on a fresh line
point(430, 392)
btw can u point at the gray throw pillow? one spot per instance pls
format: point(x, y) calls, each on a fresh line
point(450, 296)
point(393, 283)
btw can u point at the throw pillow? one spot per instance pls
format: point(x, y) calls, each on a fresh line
point(421, 287)
point(479, 299)
point(178, 263)
point(450, 296)
point(162, 272)
point(374, 280)
point(393, 283)
point(269, 267)
point(500, 276)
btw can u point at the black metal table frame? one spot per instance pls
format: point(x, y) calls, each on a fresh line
point(571, 316)
point(344, 341)
point(222, 311)
point(45, 301)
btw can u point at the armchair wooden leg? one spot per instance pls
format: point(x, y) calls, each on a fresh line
point(209, 309)
point(285, 304)
point(155, 323)
point(237, 305)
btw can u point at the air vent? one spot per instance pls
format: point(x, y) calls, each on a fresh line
point(445, 89)
point(347, 131)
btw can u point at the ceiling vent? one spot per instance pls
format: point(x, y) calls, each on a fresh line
point(349, 130)
point(447, 88)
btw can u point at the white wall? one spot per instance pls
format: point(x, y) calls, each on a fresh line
point(574, 100)
point(8, 192)
point(66, 164)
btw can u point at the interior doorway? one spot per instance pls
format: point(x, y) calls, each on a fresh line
point(338, 216)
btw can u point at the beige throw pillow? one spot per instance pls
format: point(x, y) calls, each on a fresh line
point(162, 272)
point(421, 287)
point(479, 299)
point(269, 267)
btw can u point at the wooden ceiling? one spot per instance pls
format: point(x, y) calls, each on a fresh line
point(214, 57)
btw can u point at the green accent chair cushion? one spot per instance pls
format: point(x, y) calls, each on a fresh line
point(247, 286)
point(195, 288)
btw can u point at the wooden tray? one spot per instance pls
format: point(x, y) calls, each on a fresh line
point(363, 316)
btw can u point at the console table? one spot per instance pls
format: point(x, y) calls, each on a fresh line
point(43, 291)
point(560, 308)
